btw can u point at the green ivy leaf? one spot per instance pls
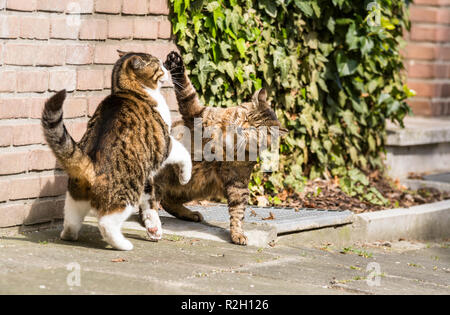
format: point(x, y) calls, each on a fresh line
point(240, 45)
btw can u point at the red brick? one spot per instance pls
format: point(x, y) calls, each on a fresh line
point(136, 7)
point(432, 2)
point(24, 187)
point(120, 27)
point(133, 47)
point(421, 51)
point(108, 6)
point(6, 138)
point(428, 88)
point(9, 26)
point(27, 133)
point(52, 5)
point(164, 29)
point(12, 214)
point(76, 128)
point(13, 162)
point(107, 78)
point(50, 55)
point(33, 27)
point(75, 107)
point(428, 70)
point(160, 50)
point(20, 54)
point(43, 211)
point(36, 105)
point(41, 159)
point(62, 28)
point(94, 29)
point(63, 79)
point(7, 81)
point(444, 53)
point(106, 54)
point(80, 6)
point(145, 28)
point(90, 79)
point(435, 33)
point(14, 108)
point(32, 81)
point(53, 185)
point(430, 14)
point(93, 102)
point(79, 54)
point(159, 7)
point(21, 5)
point(171, 99)
point(4, 189)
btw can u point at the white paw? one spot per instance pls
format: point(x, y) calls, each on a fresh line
point(184, 177)
point(69, 234)
point(123, 245)
point(153, 225)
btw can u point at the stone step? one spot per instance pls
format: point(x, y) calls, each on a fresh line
point(423, 146)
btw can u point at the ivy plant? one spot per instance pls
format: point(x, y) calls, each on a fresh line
point(332, 68)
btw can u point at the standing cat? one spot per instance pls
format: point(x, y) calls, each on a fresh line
point(228, 179)
point(126, 142)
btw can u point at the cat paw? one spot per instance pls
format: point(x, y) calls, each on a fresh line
point(174, 63)
point(153, 226)
point(124, 245)
point(239, 238)
point(184, 177)
point(197, 216)
point(185, 173)
point(69, 235)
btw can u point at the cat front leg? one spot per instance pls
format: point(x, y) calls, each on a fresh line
point(237, 196)
point(181, 157)
point(148, 212)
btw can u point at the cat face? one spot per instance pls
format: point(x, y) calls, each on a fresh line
point(146, 69)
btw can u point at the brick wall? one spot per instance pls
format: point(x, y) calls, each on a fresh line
point(428, 57)
point(48, 45)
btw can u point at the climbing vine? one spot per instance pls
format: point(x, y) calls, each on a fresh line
point(332, 69)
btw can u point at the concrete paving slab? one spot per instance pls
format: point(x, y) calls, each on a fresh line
point(284, 220)
point(259, 230)
point(39, 262)
point(442, 177)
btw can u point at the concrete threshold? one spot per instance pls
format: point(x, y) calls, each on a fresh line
point(424, 222)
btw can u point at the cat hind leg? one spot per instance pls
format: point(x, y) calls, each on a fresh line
point(74, 213)
point(110, 226)
point(179, 211)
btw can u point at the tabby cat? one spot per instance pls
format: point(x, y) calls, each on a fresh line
point(214, 179)
point(126, 143)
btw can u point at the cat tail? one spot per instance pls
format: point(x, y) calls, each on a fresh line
point(74, 161)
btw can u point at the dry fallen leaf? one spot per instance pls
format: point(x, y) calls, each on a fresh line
point(253, 213)
point(270, 217)
point(115, 260)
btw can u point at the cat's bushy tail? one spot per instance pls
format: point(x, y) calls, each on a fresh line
point(74, 161)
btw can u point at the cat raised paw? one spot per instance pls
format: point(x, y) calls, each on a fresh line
point(174, 63)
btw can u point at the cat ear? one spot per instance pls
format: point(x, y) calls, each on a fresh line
point(121, 53)
point(260, 96)
point(259, 99)
point(136, 62)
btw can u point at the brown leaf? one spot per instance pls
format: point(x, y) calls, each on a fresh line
point(270, 217)
point(116, 260)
